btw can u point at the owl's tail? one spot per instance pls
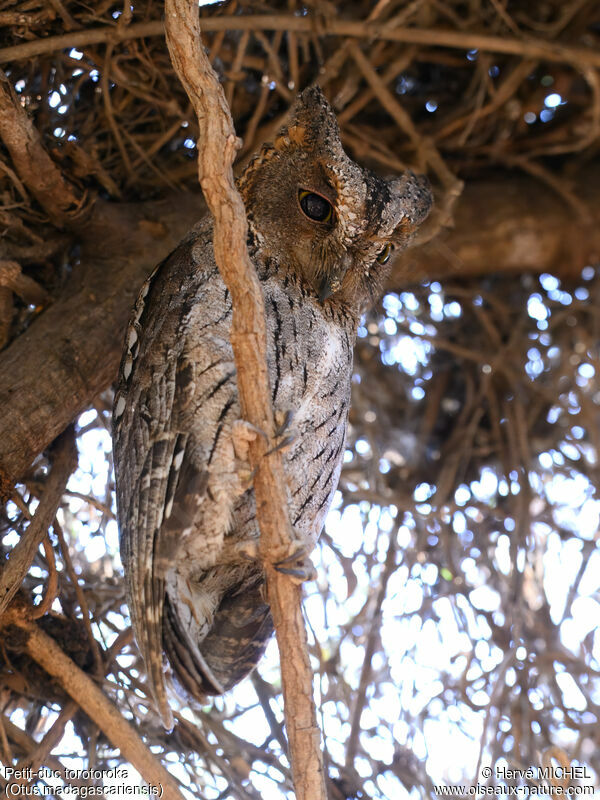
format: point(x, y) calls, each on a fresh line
point(223, 646)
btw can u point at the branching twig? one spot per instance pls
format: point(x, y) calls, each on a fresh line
point(433, 37)
point(24, 552)
point(374, 634)
point(46, 652)
point(248, 337)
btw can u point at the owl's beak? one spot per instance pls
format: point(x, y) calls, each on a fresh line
point(328, 287)
point(333, 279)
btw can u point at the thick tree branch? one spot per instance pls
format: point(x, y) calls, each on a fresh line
point(324, 26)
point(71, 351)
point(512, 224)
point(248, 337)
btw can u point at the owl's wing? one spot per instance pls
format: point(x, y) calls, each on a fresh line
point(154, 472)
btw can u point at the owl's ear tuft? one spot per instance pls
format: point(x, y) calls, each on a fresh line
point(313, 122)
point(295, 136)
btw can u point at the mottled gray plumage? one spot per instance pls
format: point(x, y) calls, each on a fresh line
point(319, 227)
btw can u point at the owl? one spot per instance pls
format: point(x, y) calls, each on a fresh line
point(322, 231)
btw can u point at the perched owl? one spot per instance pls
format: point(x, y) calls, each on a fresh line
point(321, 233)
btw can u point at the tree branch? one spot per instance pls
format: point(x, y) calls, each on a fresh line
point(45, 651)
point(71, 351)
point(35, 167)
point(529, 47)
point(22, 555)
point(248, 338)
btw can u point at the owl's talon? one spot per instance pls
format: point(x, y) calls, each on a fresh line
point(297, 565)
point(297, 554)
point(301, 574)
point(248, 549)
point(283, 420)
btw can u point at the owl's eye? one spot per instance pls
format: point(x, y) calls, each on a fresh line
point(385, 254)
point(314, 206)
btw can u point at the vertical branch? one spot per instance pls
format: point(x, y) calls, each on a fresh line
point(217, 146)
point(372, 639)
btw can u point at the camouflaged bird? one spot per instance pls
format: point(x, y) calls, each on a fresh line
point(321, 234)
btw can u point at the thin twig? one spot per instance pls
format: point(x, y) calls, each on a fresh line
point(83, 606)
point(23, 553)
point(373, 637)
point(52, 585)
point(51, 739)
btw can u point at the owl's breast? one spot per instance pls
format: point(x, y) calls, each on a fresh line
point(310, 365)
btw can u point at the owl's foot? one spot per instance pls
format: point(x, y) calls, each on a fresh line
point(248, 549)
point(242, 433)
point(297, 565)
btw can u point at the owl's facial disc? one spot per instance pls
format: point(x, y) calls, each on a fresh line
point(317, 214)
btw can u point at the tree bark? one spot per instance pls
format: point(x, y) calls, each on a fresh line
point(71, 351)
point(511, 224)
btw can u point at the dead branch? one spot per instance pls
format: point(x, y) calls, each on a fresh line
point(461, 40)
point(248, 337)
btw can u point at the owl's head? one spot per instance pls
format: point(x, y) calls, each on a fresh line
point(315, 212)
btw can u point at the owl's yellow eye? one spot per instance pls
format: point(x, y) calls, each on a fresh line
point(315, 206)
point(385, 254)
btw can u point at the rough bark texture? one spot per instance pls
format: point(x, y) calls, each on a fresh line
point(511, 225)
point(34, 165)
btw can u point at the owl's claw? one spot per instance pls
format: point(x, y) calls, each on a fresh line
point(283, 420)
point(283, 434)
point(248, 549)
point(297, 565)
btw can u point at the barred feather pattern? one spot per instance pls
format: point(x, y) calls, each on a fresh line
point(179, 493)
point(186, 512)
